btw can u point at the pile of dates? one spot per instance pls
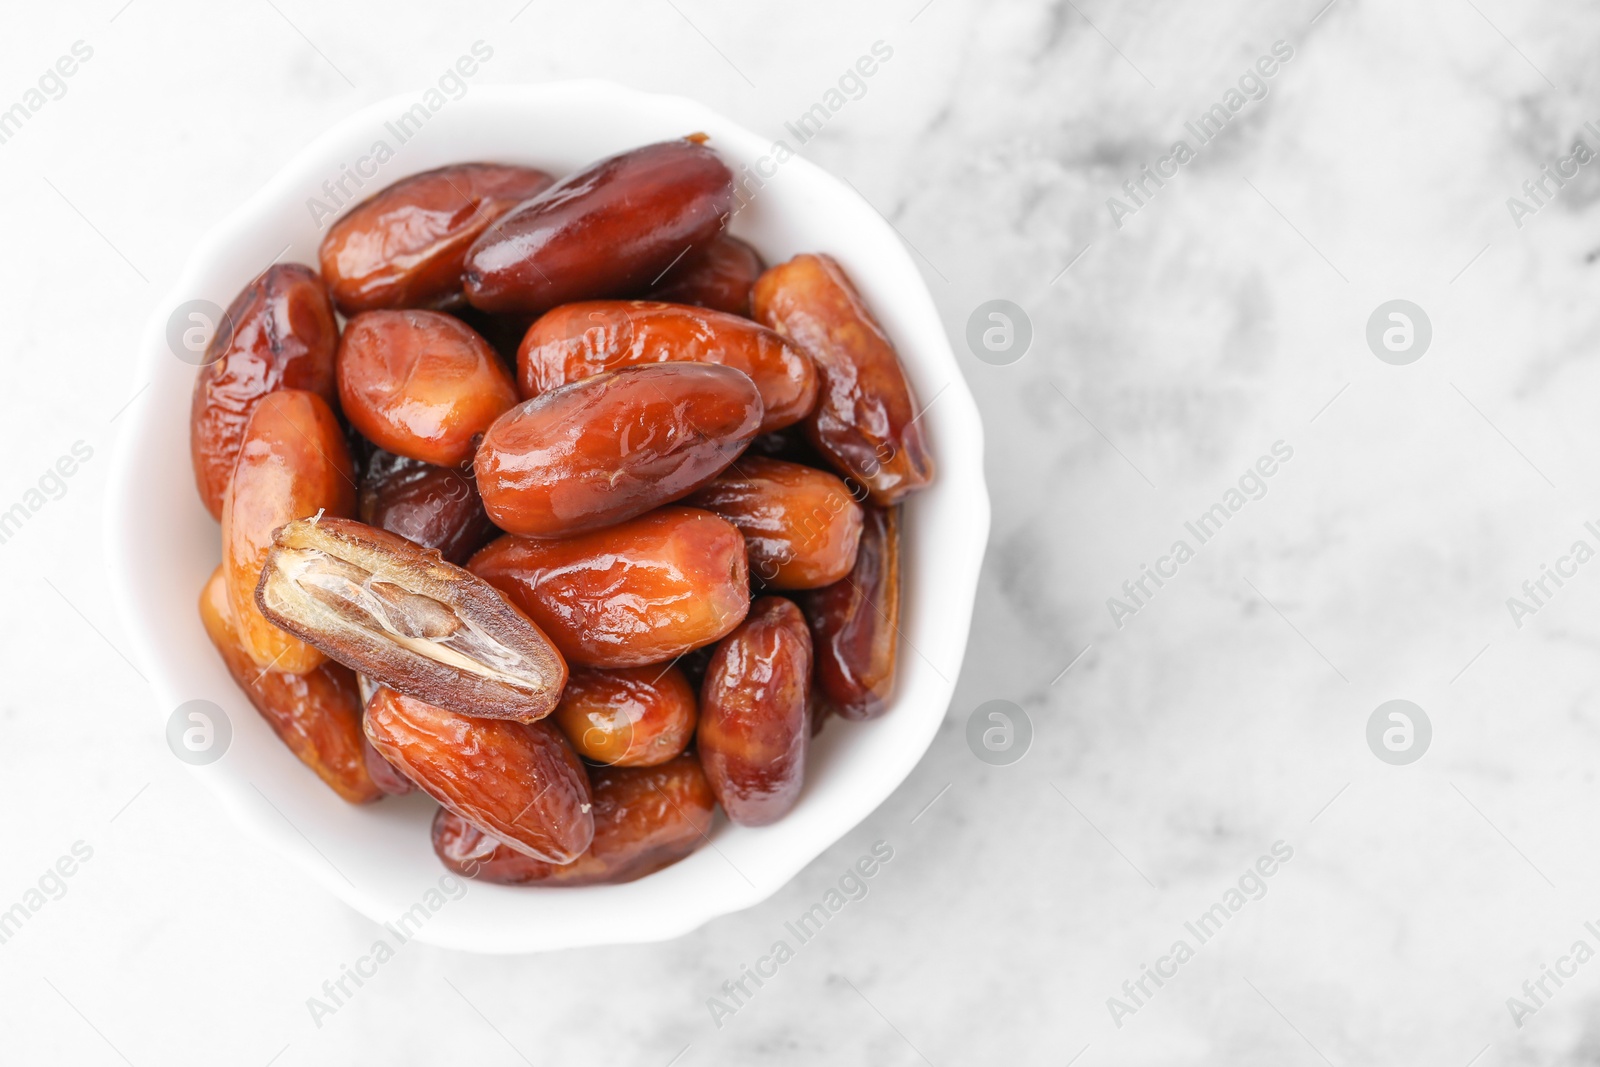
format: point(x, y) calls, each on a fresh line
point(550, 500)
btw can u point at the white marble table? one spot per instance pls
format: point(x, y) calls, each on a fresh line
point(1225, 716)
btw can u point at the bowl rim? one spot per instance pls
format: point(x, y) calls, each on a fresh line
point(123, 486)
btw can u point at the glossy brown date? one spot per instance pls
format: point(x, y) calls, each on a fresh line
point(576, 341)
point(642, 592)
point(754, 721)
point(436, 507)
point(400, 614)
point(800, 524)
point(631, 717)
point(855, 623)
point(405, 246)
point(645, 818)
point(614, 446)
point(609, 230)
point(421, 384)
point(317, 715)
point(279, 333)
point(520, 782)
point(292, 464)
point(719, 277)
point(865, 420)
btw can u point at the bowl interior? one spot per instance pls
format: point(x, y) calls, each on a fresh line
point(162, 545)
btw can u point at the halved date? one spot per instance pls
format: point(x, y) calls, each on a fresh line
point(754, 721)
point(399, 613)
point(317, 715)
point(279, 333)
point(642, 592)
point(292, 464)
point(608, 448)
point(578, 340)
point(405, 245)
point(629, 717)
point(437, 507)
point(855, 623)
point(609, 230)
point(519, 781)
point(801, 524)
point(645, 818)
point(421, 383)
point(720, 276)
point(865, 420)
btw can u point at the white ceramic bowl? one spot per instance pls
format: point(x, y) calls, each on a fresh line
point(161, 544)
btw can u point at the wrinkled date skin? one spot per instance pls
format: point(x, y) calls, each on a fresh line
point(292, 464)
point(632, 717)
point(520, 782)
point(283, 336)
point(405, 246)
point(865, 418)
point(387, 777)
point(720, 277)
point(398, 613)
point(609, 230)
point(421, 384)
point(855, 623)
point(578, 340)
point(641, 592)
point(317, 715)
point(754, 721)
point(801, 524)
point(436, 507)
point(614, 446)
point(645, 818)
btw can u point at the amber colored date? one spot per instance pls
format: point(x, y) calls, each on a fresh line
point(400, 614)
point(405, 245)
point(645, 818)
point(754, 721)
point(865, 420)
point(520, 782)
point(609, 230)
point(801, 524)
point(855, 623)
point(421, 384)
point(642, 592)
point(578, 340)
point(436, 507)
point(279, 333)
point(719, 277)
point(317, 715)
point(292, 464)
point(614, 446)
point(630, 717)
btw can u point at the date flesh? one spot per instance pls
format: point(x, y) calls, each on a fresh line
point(642, 592)
point(576, 341)
point(399, 613)
point(754, 721)
point(631, 717)
point(421, 384)
point(436, 507)
point(801, 524)
point(855, 623)
point(405, 245)
point(292, 464)
point(719, 277)
point(519, 781)
point(317, 714)
point(865, 420)
point(645, 818)
point(611, 447)
point(279, 333)
point(609, 230)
